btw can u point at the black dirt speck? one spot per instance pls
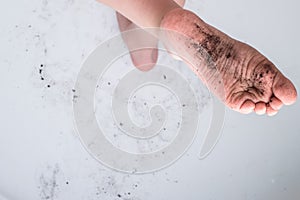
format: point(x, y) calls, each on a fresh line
point(41, 72)
point(228, 55)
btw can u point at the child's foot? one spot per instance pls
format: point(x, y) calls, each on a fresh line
point(249, 81)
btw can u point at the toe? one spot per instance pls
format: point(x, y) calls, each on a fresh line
point(247, 107)
point(270, 111)
point(284, 89)
point(275, 103)
point(260, 108)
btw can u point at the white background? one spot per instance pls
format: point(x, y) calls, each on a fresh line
point(41, 156)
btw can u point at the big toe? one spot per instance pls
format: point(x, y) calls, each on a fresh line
point(284, 89)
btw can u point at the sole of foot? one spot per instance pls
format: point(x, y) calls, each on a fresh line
point(238, 74)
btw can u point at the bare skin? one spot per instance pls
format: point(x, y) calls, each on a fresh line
point(243, 78)
point(144, 59)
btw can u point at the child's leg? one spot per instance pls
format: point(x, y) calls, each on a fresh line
point(144, 13)
point(144, 59)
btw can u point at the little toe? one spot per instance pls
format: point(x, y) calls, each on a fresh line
point(247, 107)
point(275, 103)
point(260, 108)
point(270, 111)
point(284, 89)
